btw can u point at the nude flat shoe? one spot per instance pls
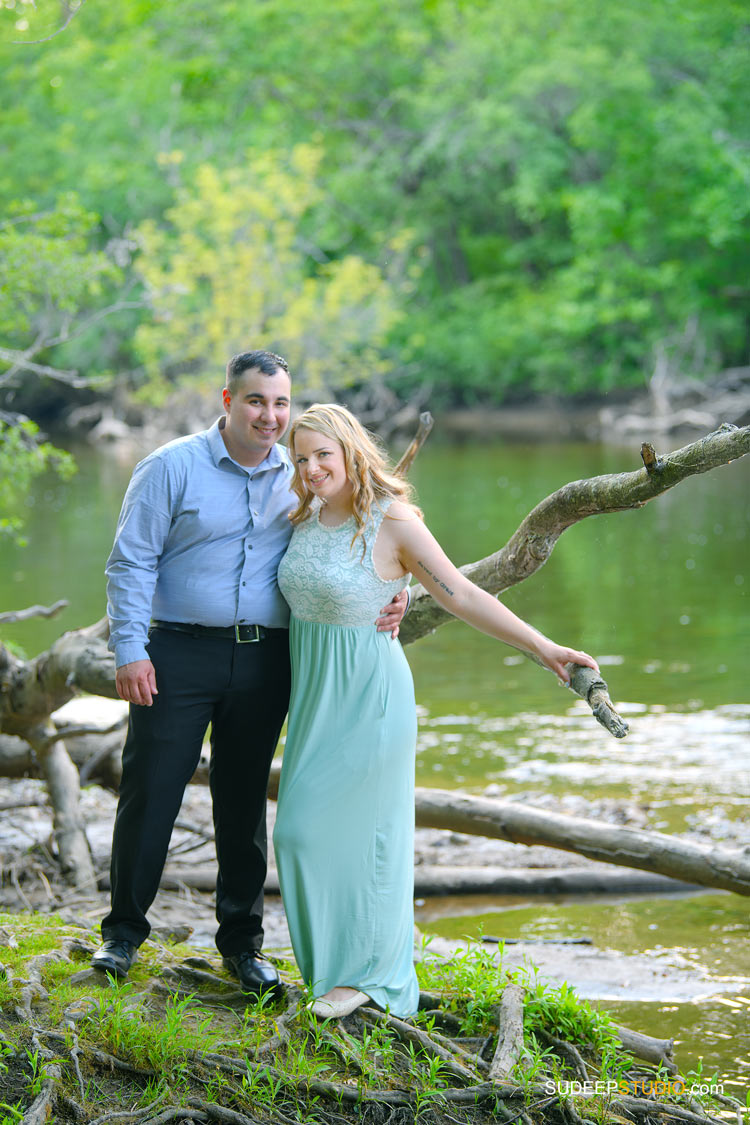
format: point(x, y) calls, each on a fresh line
point(337, 1009)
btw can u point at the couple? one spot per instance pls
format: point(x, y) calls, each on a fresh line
point(203, 553)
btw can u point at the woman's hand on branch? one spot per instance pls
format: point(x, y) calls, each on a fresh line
point(555, 657)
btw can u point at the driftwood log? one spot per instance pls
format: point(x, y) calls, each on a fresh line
point(30, 691)
point(509, 1044)
point(625, 847)
point(668, 863)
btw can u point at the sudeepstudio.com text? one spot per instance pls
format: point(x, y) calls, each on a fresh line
point(655, 1088)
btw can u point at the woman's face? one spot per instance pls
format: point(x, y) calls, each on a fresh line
point(321, 466)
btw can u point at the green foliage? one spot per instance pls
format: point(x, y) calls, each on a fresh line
point(233, 269)
point(573, 180)
point(121, 1025)
point(474, 981)
point(10, 1114)
point(48, 269)
point(559, 1010)
point(23, 458)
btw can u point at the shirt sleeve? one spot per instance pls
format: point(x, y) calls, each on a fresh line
point(132, 567)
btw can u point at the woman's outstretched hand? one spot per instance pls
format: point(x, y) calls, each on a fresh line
point(555, 657)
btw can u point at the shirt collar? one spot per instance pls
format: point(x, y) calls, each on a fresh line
point(277, 456)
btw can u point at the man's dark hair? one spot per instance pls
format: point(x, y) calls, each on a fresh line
point(266, 362)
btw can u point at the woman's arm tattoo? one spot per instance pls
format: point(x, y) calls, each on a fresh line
point(443, 586)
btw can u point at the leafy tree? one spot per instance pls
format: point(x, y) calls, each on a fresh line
point(49, 271)
point(574, 176)
point(23, 457)
point(234, 267)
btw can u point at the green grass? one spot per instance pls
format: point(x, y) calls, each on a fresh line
point(172, 1038)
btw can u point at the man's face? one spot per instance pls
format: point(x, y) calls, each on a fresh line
point(257, 414)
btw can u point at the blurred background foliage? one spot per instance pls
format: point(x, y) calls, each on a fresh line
point(483, 199)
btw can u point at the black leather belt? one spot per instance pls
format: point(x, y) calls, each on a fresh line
point(241, 634)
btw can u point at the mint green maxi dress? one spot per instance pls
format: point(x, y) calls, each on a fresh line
point(344, 836)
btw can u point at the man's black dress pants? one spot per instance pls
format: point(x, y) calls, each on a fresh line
point(242, 691)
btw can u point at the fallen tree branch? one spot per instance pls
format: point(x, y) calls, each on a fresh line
point(64, 787)
point(509, 1045)
point(31, 690)
point(659, 1051)
point(33, 611)
point(608, 843)
point(653, 852)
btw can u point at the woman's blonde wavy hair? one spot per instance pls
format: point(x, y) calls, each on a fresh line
point(367, 466)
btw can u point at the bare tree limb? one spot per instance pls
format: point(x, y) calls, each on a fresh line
point(423, 432)
point(33, 611)
point(63, 785)
point(85, 322)
point(31, 690)
point(73, 10)
point(69, 732)
point(532, 544)
point(21, 362)
point(659, 1051)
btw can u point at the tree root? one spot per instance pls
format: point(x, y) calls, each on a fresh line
point(408, 1033)
point(265, 1066)
point(510, 1032)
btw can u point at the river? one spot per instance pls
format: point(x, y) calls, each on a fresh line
point(660, 596)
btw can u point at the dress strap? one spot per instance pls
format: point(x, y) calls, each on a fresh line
point(377, 515)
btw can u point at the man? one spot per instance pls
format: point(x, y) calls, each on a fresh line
point(199, 631)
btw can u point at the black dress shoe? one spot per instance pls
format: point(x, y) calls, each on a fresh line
point(254, 973)
point(115, 956)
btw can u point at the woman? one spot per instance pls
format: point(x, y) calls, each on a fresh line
point(344, 828)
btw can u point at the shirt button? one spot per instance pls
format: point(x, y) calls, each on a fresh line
point(244, 583)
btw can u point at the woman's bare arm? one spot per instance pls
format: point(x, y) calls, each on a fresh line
point(418, 551)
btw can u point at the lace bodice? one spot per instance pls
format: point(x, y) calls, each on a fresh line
point(325, 579)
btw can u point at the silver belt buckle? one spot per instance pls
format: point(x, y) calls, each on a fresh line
point(248, 640)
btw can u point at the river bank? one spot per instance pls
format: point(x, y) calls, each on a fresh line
point(662, 408)
point(674, 965)
point(526, 878)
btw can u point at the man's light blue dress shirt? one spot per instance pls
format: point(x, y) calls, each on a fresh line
point(199, 541)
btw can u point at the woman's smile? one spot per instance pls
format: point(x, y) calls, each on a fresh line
point(322, 467)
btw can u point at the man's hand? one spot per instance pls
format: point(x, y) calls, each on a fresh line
point(136, 682)
point(392, 615)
